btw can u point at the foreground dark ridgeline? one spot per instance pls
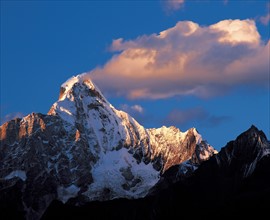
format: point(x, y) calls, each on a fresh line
point(221, 186)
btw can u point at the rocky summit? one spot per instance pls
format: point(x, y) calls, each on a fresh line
point(85, 150)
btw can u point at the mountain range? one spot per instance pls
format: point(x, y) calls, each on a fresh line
point(84, 158)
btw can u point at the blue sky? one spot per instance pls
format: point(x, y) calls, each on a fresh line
point(43, 43)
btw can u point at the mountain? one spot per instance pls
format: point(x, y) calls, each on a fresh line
point(235, 162)
point(85, 150)
point(235, 183)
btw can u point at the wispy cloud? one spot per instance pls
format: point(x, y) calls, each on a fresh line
point(183, 117)
point(173, 5)
point(132, 109)
point(11, 116)
point(136, 111)
point(266, 18)
point(187, 59)
point(217, 120)
point(137, 108)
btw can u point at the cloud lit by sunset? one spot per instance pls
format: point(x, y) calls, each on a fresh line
point(187, 59)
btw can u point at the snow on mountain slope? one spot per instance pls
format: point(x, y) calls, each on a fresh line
point(81, 103)
point(87, 150)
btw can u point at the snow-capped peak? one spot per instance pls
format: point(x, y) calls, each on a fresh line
point(83, 78)
point(71, 81)
point(78, 93)
point(94, 150)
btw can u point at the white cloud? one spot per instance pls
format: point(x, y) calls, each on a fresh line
point(237, 31)
point(187, 59)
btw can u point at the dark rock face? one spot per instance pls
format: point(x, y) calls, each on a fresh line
point(218, 187)
point(242, 155)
